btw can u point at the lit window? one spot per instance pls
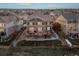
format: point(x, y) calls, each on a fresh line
point(1, 24)
point(31, 29)
point(39, 23)
point(31, 23)
point(48, 28)
point(39, 29)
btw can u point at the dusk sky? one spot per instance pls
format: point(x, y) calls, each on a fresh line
point(39, 5)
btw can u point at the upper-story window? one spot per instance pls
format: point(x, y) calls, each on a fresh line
point(31, 29)
point(39, 29)
point(31, 23)
point(39, 23)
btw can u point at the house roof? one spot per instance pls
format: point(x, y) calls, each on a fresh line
point(67, 15)
point(7, 19)
point(40, 16)
point(70, 16)
point(56, 12)
point(61, 20)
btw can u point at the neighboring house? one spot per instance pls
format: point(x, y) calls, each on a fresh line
point(69, 23)
point(72, 22)
point(9, 24)
point(77, 18)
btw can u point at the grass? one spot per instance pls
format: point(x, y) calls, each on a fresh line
point(39, 51)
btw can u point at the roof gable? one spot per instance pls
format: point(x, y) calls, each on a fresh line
point(61, 20)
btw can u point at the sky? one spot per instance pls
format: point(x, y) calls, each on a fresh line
point(39, 5)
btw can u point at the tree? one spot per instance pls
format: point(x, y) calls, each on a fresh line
point(46, 13)
point(57, 27)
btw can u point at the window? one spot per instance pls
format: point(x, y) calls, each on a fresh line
point(39, 29)
point(48, 28)
point(39, 23)
point(31, 29)
point(30, 23)
point(1, 24)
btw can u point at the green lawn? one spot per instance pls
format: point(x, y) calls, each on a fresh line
point(26, 51)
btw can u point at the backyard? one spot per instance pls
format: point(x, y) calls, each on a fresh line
point(40, 43)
